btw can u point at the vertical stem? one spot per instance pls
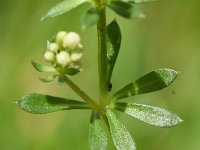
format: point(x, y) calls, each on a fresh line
point(102, 55)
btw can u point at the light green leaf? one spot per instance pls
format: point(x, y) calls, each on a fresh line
point(152, 115)
point(42, 104)
point(89, 18)
point(49, 78)
point(97, 133)
point(42, 68)
point(63, 7)
point(138, 1)
point(113, 45)
point(126, 10)
point(121, 137)
point(153, 81)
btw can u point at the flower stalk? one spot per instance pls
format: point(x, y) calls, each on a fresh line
point(82, 94)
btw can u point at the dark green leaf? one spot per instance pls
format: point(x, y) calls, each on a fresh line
point(72, 71)
point(152, 115)
point(97, 133)
point(125, 9)
point(62, 79)
point(153, 81)
point(89, 18)
point(42, 104)
point(121, 137)
point(63, 7)
point(49, 78)
point(113, 45)
point(42, 68)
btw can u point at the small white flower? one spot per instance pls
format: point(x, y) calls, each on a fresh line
point(49, 56)
point(71, 40)
point(63, 58)
point(76, 56)
point(53, 47)
point(60, 36)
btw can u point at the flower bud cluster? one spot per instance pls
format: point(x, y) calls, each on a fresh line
point(65, 52)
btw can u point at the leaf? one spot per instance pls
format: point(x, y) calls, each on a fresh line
point(126, 10)
point(42, 68)
point(63, 7)
point(113, 45)
point(42, 104)
point(152, 115)
point(97, 133)
point(138, 1)
point(121, 137)
point(62, 79)
point(72, 71)
point(89, 18)
point(49, 78)
point(153, 81)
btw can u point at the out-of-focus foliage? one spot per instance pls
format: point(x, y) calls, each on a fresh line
point(168, 37)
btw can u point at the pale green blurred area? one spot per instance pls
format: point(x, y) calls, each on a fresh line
point(168, 37)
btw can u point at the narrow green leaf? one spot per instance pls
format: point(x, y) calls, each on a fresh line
point(138, 1)
point(89, 18)
point(97, 133)
point(63, 7)
point(42, 104)
point(42, 68)
point(153, 81)
point(121, 137)
point(152, 115)
point(49, 78)
point(113, 45)
point(126, 10)
point(72, 71)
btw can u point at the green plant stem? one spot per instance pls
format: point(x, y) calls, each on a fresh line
point(82, 94)
point(102, 56)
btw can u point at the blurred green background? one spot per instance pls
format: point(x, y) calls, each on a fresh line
point(168, 37)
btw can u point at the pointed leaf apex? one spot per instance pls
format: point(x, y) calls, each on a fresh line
point(42, 68)
point(167, 75)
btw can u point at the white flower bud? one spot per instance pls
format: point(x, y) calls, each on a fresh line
point(49, 56)
point(76, 56)
point(63, 58)
point(60, 36)
point(71, 40)
point(53, 47)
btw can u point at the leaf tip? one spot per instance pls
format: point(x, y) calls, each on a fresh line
point(45, 17)
point(15, 102)
point(178, 72)
point(142, 16)
point(34, 64)
point(42, 19)
point(176, 120)
point(167, 75)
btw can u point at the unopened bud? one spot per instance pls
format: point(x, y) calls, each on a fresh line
point(49, 56)
point(63, 58)
point(60, 36)
point(71, 40)
point(76, 56)
point(53, 47)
